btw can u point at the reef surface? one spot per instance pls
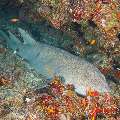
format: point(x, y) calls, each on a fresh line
point(88, 29)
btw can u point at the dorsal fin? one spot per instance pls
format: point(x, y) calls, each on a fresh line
point(26, 37)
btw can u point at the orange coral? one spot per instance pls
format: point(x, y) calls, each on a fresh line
point(4, 81)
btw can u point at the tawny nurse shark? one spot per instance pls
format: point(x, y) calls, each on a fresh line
point(49, 61)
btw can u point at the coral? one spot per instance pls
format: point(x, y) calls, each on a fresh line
point(86, 28)
point(68, 103)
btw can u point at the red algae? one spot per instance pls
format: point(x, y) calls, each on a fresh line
point(66, 102)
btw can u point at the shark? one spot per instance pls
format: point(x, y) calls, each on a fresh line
point(50, 61)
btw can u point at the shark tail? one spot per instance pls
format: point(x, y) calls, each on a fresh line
point(12, 41)
point(3, 35)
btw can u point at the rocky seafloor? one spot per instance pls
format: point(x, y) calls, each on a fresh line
point(26, 95)
point(88, 29)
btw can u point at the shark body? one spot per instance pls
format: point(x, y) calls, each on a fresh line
point(49, 61)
